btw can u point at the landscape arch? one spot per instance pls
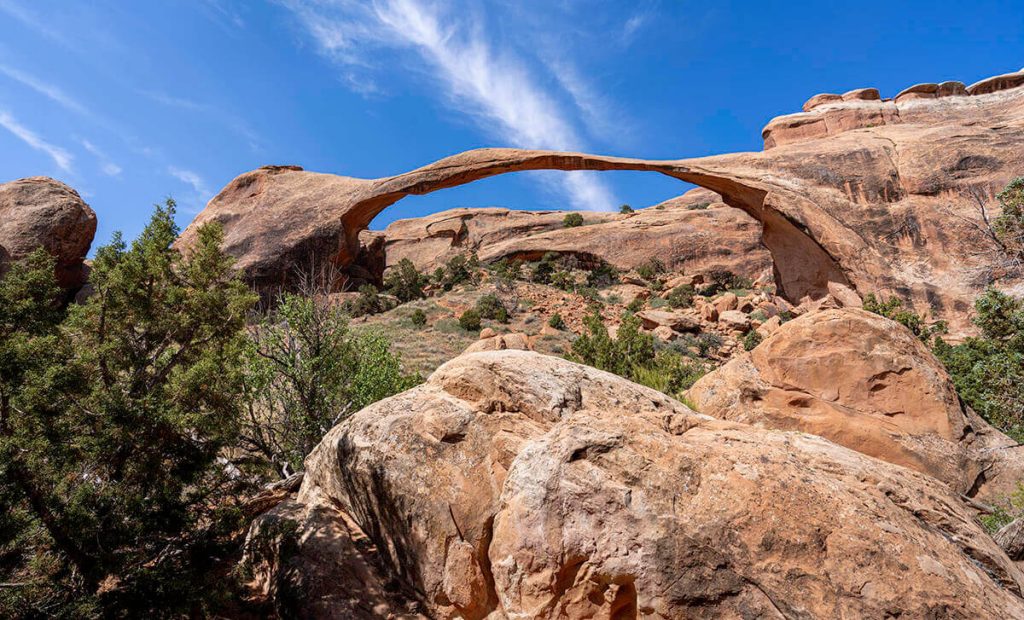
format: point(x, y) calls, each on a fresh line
point(275, 215)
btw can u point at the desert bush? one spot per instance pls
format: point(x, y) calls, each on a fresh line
point(556, 321)
point(892, 308)
point(572, 220)
point(1009, 226)
point(720, 280)
point(602, 275)
point(751, 340)
point(418, 318)
point(681, 296)
point(490, 307)
point(651, 269)
point(306, 372)
point(708, 343)
point(542, 270)
point(405, 282)
point(625, 209)
point(699, 206)
point(369, 301)
point(988, 370)
point(470, 320)
point(670, 372)
point(636, 305)
point(631, 347)
point(458, 270)
point(632, 354)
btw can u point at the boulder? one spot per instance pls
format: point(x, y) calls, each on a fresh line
point(997, 83)
point(734, 320)
point(861, 94)
point(42, 212)
point(312, 561)
point(500, 342)
point(867, 383)
point(821, 99)
point(676, 321)
point(514, 485)
point(728, 301)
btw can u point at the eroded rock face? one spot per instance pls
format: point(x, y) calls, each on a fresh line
point(692, 240)
point(517, 485)
point(39, 211)
point(857, 196)
point(867, 383)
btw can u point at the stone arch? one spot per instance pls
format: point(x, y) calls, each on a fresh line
point(803, 268)
point(276, 215)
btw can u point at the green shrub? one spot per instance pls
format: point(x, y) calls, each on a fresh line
point(556, 321)
point(636, 305)
point(1006, 510)
point(892, 308)
point(458, 270)
point(369, 301)
point(490, 307)
point(563, 280)
point(625, 209)
point(418, 318)
point(699, 206)
point(306, 372)
point(572, 220)
point(470, 320)
point(670, 372)
point(602, 275)
point(720, 280)
point(681, 296)
point(1009, 226)
point(751, 340)
point(988, 370)
point(632, 354)
point(542, 271)
point(404, 282)
point(651, 269)
point(657, 302)
point(708, 343)
point(631, 347)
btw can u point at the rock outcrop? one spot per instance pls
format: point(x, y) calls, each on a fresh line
point(516, 485)
point(866, 383)
point(39, 211)
point(682, 237)
point(860, 195)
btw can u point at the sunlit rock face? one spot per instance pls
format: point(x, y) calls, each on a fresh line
point(514, 485)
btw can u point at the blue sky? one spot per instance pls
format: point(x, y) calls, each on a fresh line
point(131, 102)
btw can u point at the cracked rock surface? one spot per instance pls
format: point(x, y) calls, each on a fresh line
point(515, 485)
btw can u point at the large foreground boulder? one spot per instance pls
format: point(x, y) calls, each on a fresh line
point(515, 485)
point(865, 382)
point(39, 211)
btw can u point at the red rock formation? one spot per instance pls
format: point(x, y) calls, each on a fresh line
point(862, 194)
point(691, 240)
point(39, 211)
point(867, 383)
point(513, 484)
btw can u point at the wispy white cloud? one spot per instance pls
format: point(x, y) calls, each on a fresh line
point(48, 90)
point(107, 166)
point(33, 21)
point(60, 156)
point(494, 87)
point(634, 24)
point(201, 193)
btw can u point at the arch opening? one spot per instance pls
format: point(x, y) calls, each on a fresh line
point(802, 268)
